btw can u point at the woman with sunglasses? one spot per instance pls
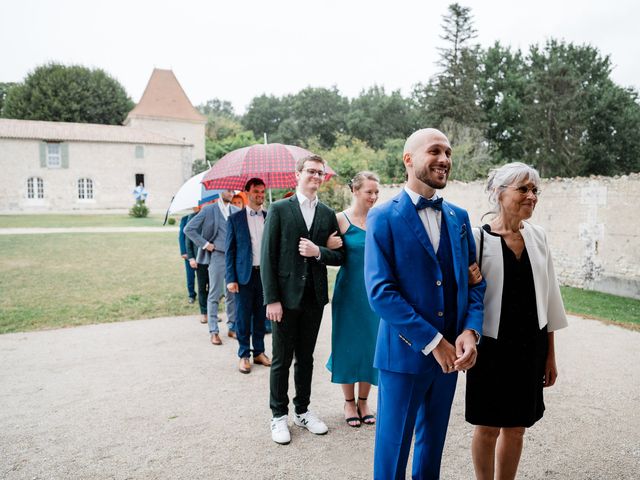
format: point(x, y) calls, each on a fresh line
point(523, 309)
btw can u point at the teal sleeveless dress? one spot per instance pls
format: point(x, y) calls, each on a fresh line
point(354, 324)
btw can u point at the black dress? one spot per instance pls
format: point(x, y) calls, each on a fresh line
point(504, 388)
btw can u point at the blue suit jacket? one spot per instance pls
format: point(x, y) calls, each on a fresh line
point(403, 280)
point(239, 255)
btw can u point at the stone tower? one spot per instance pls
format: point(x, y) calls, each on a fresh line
point(165, 109)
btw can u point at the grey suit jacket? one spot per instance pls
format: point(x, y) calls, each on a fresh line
point(209, 225)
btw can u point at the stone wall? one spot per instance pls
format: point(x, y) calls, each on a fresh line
point(190, 132)
point(592, 225)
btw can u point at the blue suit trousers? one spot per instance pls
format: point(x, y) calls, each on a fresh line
point(250, 317)
point(407, 402)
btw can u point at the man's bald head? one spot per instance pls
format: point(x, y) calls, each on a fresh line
point(427, 158)
point(418, 138)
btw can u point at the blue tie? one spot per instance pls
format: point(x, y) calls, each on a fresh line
point(253, 213)
point(424, 203)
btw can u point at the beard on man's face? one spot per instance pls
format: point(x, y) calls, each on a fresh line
point(428, 178)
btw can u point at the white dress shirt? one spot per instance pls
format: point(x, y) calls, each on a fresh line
point(307, 207)
point(256, 229)
point(224, 208)
point(431, 220)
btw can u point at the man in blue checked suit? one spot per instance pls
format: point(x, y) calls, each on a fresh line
point(244, 240)
point(417, 255)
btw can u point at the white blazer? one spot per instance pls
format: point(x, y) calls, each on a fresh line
point(548, 300)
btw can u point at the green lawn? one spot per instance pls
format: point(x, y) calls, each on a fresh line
point(59, 280)
point(107, 220)
point(602, 306)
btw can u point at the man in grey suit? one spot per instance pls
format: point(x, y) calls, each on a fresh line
point(208, 230)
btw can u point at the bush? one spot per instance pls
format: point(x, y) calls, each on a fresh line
point(335, 194)
point(139, 210)
point(171, 221)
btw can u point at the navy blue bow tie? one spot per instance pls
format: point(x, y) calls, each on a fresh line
point(424, 203)
point(253, 213)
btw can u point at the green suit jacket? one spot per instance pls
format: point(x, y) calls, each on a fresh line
point(282, 269)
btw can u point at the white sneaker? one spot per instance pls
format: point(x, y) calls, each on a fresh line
point(280, 430)
point(312, 423)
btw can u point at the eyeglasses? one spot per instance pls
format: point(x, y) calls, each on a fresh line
point(313, 172)
point(524, 190)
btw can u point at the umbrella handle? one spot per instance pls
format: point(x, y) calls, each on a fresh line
point(166, 215)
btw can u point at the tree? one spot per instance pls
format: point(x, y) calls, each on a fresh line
point(315, 112)
point(613, 132)
point(222, 122)
point(265, 114)
point(4, 89)
point(375, 117)
point(502, 86)
point(469, 152)
point(388, 163)
point(558, 109)
point(218, 108)
point(56, 92)
point(565, 83)
point(453, 92)
point(348, 157)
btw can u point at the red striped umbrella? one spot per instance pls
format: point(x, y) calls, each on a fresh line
point(274, 163)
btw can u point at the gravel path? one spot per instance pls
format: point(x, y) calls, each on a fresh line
point(152, 399)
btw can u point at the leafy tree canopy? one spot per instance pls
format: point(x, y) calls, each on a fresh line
point(4, 89)
point(56, 92)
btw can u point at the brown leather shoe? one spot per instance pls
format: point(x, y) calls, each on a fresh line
point(215, 339)
point(203, 319)
point(245, 366)
point(232, 334)
point(262, 359)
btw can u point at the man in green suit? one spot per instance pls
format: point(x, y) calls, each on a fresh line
point(294, 277)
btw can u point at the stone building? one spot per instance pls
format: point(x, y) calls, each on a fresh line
point(63, 167)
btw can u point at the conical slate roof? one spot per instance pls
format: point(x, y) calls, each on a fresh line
point(164, 98)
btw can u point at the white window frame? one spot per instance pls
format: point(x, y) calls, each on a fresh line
point(35, 188)
point(85, 189)
point(54, 159)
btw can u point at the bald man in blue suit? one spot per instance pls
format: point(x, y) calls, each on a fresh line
point(417, 256)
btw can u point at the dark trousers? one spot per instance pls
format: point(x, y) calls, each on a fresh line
point(202, 274)
point(250, 316)
point(295, 335)
point(191, 275)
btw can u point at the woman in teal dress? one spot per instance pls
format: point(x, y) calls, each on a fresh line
point(355, 325)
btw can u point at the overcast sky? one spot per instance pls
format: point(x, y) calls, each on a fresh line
point(235, 50)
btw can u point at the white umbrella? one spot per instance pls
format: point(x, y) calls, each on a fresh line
point(191, 194)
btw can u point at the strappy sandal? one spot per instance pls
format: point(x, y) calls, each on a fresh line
point(367, 419)
point(353, 419)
